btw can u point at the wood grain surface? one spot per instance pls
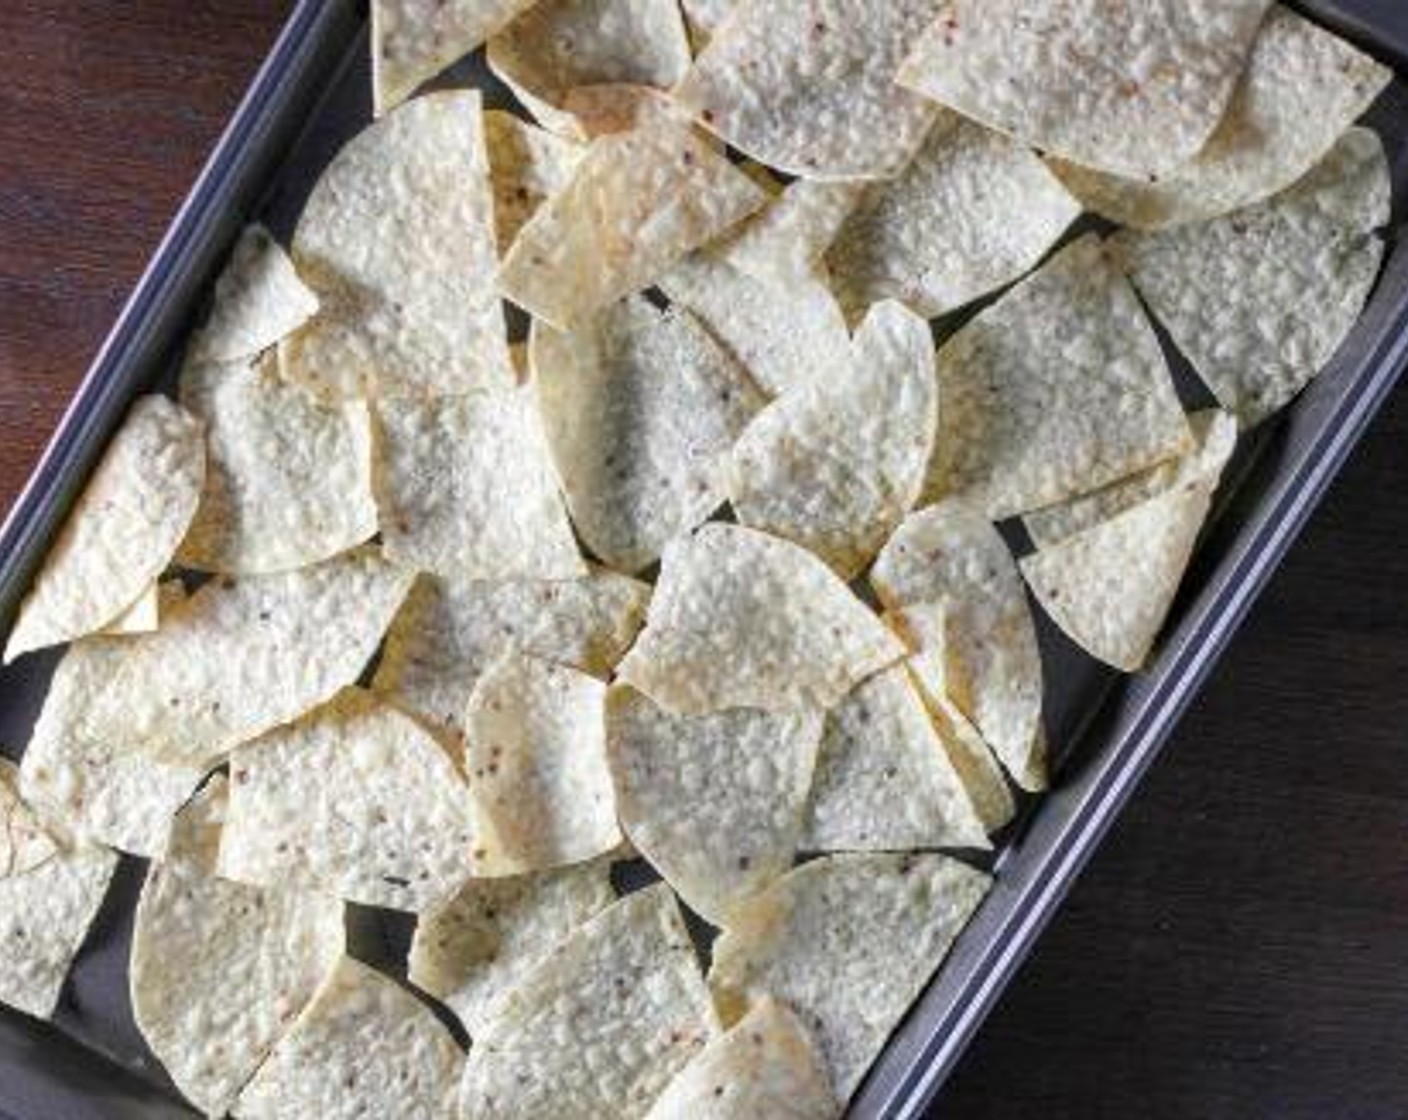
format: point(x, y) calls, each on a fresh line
point(1239, 948)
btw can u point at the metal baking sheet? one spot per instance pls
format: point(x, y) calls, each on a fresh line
point(311, 95)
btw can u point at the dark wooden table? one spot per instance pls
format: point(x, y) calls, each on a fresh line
point(1238, 950)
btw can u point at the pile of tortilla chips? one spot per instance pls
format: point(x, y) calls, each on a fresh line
point(711, 569)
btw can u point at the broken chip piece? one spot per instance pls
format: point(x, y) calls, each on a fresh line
point(258, 300)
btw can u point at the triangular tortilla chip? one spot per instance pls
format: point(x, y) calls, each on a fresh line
point(397, 239)
point(1056, 389)
point(949, 556)
point(884, 780)
point(1260, 300)
point(836, 464)
point(970, 213)
point(1215, 436)
point(413, 40)
point(466, 489)
point(141, 616)
point(354, 800)
point(219, 970)
point(641, 408)
point(46, 904)
point(259, 299)
point(1302, 88)
point(122, 530)
point(528, 165)
point(364, 1047)
point(809, 89)
point(764, 1067)
point(744, 620)
point(784, 244)
point(714, 802)
point(288, 480)
point(847, 942)
point(637, 202)
point(450, 631)
point(1135, 89)
point(481, 944)
point(628, 984)
point(535, 754)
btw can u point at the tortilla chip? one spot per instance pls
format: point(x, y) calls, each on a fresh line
point(847, 942)
point(1302, 89)
point(122, 530)
point(764, 1067)
point(807, 87)
point(637, 202)
point(641, 408)
point(466, 489)
point(744, 620)
point(141, 616)
point(950, 556)
point(784, 244)
point(629, 986)
point(535, 753)
point(1215, 436)
point(46, 904)
point(714, 802)
point(836, 464)
point(288, 479)
point(884, 781)
point(259, 299)
point(970, 213)
point(1110, 587)
point(557, 46)
point(1260, 300)
point(1056, 389)
point(413, 40)
point(785, 336)
point(219, 969)
point(527, 165)
point(481, 944)
point(1134, 89)
point(397, 239)
point(354, 800)
point(601, 110)
point(364, 1047)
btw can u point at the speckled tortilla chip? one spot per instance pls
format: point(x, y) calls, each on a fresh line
point(242, 656)
point(1302, 88)
point(413, 40)
point(951, 556)
point(354, 800)
point(397, 239)
point(784, 335)
point(219, 970)
point(785, 243)
point(466, 489)
point(141, 616)
point(450, 631)
point(970, 213)
point(847, 942)
point(637, 202)
point(288, 477)
point(122, 530)
point(557, 46)
point(46, 905)
point(836, 464)
point(884, 780)
point(744, 620)
point(535, 755)
point(259, 299)
point(363, 1047)
point(528, 165)
point(765, 1066)
point(1056, 389)
point(1215, 435)
point(806, 86)
point(628, 983)
point(1135, 89)
point(476, 948)
point(1260, 300)
point(714, 802)
point(641, 408)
